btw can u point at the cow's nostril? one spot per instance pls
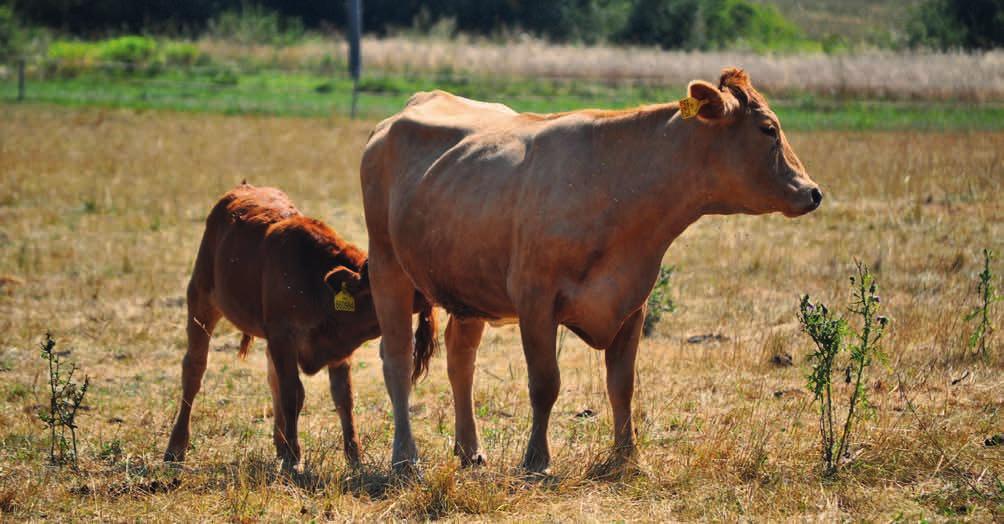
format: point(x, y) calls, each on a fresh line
point(817, 196)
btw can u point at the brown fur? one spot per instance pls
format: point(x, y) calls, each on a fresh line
point(552, 220)
point(274, 273)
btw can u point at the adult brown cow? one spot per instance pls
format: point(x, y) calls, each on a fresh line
point(559, 219)
point(293, 281)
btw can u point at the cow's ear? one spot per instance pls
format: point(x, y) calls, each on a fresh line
point(715, 105)
point(343, 275)
point(364, 272)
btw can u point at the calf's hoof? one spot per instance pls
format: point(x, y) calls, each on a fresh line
point(172, 455)
point(352, 454)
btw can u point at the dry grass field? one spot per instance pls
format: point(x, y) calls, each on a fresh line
point(101, 212)
point(922, 75)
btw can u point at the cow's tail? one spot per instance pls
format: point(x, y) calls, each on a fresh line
point(246, 341)
point(425, 339)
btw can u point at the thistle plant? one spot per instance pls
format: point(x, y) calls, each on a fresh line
point(659, 301)
point(830, 333)
point(65, 397)
point(987, 296)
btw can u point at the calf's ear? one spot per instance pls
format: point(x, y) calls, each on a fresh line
point(343, 275)
point(716, 105)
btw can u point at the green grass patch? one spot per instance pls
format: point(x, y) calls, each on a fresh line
point(228, 90)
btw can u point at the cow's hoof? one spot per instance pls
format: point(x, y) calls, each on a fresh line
point(475, 460)
point(537, 462)
point(619, 464)
point(407, 469)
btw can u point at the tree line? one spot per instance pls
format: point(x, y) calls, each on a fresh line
point(688, 24)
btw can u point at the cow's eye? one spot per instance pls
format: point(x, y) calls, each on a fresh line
point(769, 130)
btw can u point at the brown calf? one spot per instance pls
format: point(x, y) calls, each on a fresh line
point(278, 275)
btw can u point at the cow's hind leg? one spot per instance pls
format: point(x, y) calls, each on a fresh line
point(620, 363)
point(539, 335)
point(287, 399)
point(393, 297)
point(462, 339)
point(340, 380)
point(202, 319)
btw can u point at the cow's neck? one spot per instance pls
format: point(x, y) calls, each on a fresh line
point(659, 165)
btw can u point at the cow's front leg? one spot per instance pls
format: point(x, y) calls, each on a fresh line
point(340, 380)
point(538, 333)
point(620, 363)
point(287, 400)
point(462, 339)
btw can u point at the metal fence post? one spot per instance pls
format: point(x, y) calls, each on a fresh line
point(355, 12)
point(20, 79)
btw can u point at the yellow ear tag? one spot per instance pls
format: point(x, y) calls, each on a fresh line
point(344, 300)
point(690, 106)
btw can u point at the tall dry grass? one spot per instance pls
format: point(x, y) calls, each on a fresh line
point(976, 77)
point(101, 213)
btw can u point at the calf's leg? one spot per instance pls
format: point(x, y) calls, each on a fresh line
point(340, 380)
point(287, 400)
point(462, 339)
point(202, 319)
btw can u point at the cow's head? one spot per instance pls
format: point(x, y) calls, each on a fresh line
point(754, 167)
point(353, 318)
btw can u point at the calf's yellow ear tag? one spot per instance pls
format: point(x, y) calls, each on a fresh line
point(690, 106)
point(344, 300)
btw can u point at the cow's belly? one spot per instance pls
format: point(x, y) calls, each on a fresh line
point(454, 243)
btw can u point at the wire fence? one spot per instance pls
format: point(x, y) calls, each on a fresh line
point(302, 92)
point(326, 89)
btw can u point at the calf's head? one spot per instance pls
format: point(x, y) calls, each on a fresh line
point(352, 317)
point(753, 168)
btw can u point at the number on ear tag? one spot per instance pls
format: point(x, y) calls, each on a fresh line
point(690, 106)
point(344, 300)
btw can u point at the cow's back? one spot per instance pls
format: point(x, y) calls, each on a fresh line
point(231, 257)
point(403, 146)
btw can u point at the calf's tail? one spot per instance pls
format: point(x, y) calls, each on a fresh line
point(425, 339)
point(246, 341)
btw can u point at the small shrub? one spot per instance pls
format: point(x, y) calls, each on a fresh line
point(255, 24)
point(987, 296)
point(659, 301)
point(72, 51)
point(131, 50)
point(828, 331)
point(69, 57)
point(65, 397)
point(225, 76)
point(182, 54)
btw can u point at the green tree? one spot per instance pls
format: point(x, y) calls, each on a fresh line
point(666, 23)
point(947, 24)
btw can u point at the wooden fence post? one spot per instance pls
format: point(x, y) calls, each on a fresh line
point(355, 12)
point(20, 79)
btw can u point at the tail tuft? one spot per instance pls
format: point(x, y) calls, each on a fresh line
point(425, 341)
point(246, 341)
